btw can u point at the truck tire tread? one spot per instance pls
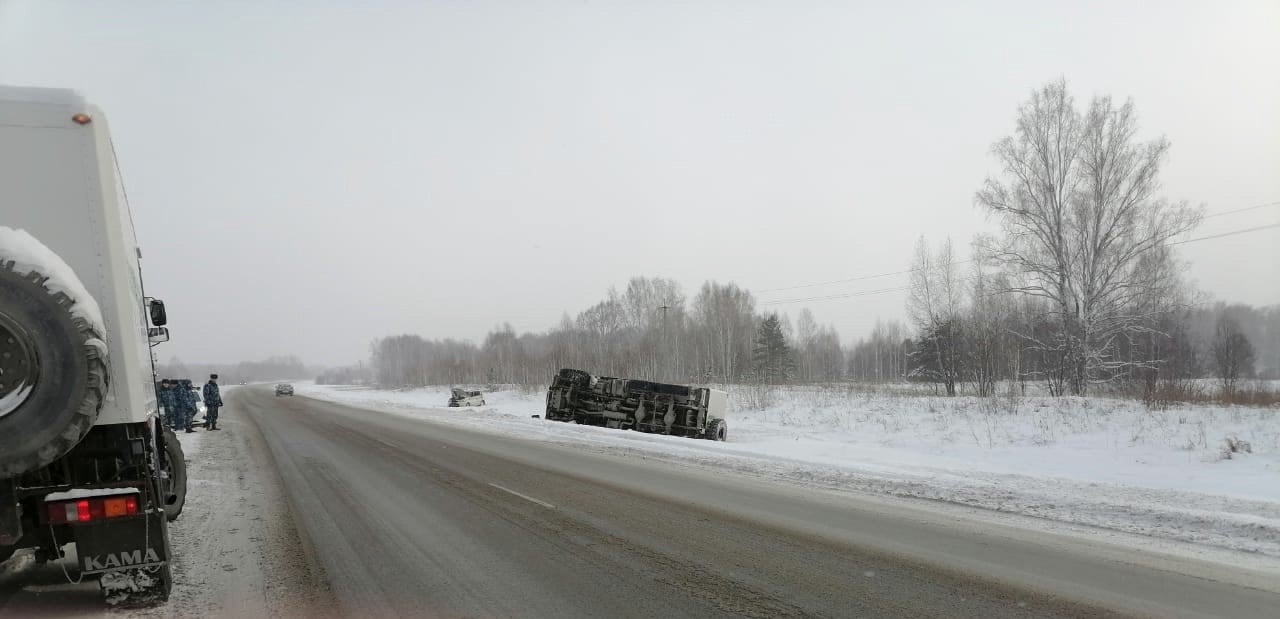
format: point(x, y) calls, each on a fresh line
point(84, 413)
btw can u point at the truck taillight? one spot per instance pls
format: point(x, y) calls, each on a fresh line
point(92, 509)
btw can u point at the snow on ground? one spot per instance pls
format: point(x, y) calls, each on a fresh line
point(1097, 462)
point(236, 552)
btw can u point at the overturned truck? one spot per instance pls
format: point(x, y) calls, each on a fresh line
point(696, 412)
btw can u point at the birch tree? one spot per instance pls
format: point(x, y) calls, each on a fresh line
point(725, 316)
point(1083, 226)
point(933, 302)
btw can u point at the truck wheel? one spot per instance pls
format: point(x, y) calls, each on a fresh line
point(175, 480)
point(717, 430)
point(53, 372)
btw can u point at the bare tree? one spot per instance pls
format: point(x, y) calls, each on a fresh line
point(724, 315)
point(1232, 352)
point(1083, 227)
point(933, 301)
point(987, 346)
point(805, 339)
point(600, 324)
point(826, 355)
point(881, 356)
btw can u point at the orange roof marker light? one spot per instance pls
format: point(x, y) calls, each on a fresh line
point(81, 119)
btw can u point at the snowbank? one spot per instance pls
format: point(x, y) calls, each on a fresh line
point(29, 255)
point(1089, 461)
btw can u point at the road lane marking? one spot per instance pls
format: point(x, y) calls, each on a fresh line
point(525, 497)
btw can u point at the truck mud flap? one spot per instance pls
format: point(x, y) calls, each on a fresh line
point(10, 523)
point(123, 543)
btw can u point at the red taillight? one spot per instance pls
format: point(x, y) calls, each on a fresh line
point(89, 510)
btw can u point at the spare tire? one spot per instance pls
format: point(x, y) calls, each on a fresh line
point(53, 372)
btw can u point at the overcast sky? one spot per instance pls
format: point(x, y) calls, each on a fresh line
point(306, 176)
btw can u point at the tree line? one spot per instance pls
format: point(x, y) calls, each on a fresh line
point(649, 330)
point(282, 367)
point(1079, 290)
point(720, 336)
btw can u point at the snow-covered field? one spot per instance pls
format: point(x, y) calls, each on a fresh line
point(1087, 461)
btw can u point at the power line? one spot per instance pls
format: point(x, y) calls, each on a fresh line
point(838, 281)
point(863, 293)
point(860, 293)
point(1241, 210)
point(879, 275)
point(1232, 233)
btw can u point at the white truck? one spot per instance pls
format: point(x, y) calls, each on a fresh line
point(84, 459)
point(459, 397)
point(630, 404)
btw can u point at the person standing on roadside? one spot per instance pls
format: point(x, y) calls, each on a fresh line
point(167, 400)
point(186, 396)
point(212, 402)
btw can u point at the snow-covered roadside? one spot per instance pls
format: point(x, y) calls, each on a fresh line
point(235, 551)
point(234, 548)
point(1085, 461)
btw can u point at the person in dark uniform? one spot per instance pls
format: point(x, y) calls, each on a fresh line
point(212, 402)
point(167, 399)
point(186, 396)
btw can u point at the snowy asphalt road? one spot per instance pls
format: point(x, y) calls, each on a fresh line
point(409, 518)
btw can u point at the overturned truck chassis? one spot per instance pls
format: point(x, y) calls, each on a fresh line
point(642, 405)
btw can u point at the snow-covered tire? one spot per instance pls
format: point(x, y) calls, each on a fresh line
point(54, 372)
point(717, 430)
point(175, 481)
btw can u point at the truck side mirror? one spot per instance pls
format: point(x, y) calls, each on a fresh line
point(158, 317)
point(158, 335)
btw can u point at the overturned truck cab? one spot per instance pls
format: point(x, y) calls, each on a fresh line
point(646, 406)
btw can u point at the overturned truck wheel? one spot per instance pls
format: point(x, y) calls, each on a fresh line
point(717, 430)
point(53, 372)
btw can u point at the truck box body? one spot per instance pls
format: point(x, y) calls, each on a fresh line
point(83, 457)
point(61, 184)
